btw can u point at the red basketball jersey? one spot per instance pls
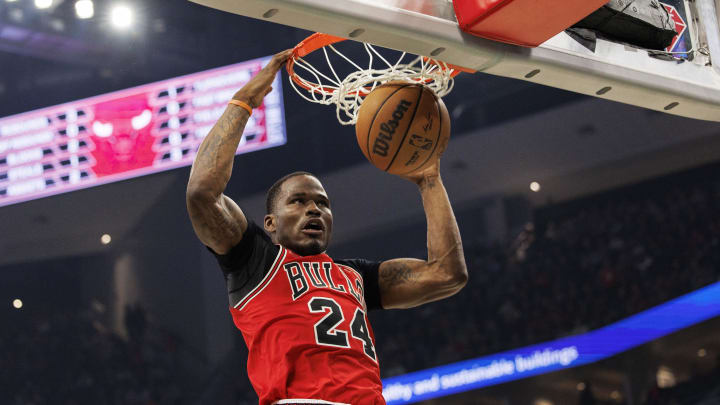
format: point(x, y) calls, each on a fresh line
point(304, 320)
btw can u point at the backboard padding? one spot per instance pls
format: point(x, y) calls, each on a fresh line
point(613, 71)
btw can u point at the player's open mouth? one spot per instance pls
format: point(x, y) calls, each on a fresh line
point(313, 227)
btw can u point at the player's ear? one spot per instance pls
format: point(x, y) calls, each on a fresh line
point(269, 223)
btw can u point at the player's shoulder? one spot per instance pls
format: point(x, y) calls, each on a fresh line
point(368, 271)
point(254, 230)
point(254, 250)
point(362, 266)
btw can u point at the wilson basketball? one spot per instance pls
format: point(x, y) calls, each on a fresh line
point(401, 127)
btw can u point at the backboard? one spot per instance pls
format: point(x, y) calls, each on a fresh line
point(612, 71)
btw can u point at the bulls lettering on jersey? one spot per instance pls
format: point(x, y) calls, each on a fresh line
point(304, 320)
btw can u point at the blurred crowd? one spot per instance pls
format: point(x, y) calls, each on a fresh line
point(580, 266)
point(703, 389)
point(69, 357)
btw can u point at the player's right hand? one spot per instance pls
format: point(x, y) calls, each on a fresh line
point(432, 170)
point(260, 85)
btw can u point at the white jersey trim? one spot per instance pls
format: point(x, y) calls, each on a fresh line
point(265, 281)
point(307, 401)
point(351, 269)
point(351, 287)
point(362, 280)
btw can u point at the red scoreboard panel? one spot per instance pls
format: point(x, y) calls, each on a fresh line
point(127, 133)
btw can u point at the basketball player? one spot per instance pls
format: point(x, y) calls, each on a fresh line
point(304, 315)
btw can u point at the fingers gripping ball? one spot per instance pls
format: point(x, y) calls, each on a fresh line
point(402, 127)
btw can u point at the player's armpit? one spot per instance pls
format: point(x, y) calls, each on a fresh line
point(407, 283)
point(218, 222)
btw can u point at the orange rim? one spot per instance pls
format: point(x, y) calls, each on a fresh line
point(305, 47)
point(319, 40)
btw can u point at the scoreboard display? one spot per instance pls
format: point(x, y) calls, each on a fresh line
point(128, 133)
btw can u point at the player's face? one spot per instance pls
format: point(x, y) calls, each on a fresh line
point(302, 221)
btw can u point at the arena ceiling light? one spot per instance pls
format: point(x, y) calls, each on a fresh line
point(43, 4)
point(121, 16)
point(84, 9)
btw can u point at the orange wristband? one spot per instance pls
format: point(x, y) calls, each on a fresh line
point(242, 104)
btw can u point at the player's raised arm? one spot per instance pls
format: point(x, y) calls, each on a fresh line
point(217, 220)
point(406, 283)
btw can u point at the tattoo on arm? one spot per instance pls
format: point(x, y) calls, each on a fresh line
point(215, 224)
point(214, 158)
point(215, 227)
point(428, 183)
point(397, 273)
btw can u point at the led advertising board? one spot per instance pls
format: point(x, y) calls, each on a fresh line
point(572, 351)
point(128, 133)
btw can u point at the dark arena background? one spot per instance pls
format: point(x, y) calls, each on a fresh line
point(591, 228)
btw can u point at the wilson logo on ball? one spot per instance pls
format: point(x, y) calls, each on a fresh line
point(387, 129)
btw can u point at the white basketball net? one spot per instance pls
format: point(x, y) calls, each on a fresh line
point(347, 94)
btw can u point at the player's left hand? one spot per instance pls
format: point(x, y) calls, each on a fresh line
point(260, 85)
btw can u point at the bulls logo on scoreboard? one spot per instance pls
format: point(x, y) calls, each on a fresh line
point(122, 134)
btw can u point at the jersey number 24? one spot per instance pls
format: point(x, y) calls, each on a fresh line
point(326, 332)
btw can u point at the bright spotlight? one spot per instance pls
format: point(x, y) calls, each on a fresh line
point(84, 9)
point(121, 16)
point(105, 239)
point(10, 1)
point(42, 4)
point(535, 186)
point(17, 303)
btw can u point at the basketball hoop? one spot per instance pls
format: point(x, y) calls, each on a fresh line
point(347, 94)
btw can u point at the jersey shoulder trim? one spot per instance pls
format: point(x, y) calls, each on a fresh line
point(282, 252)
point(345, 266)
point(368, 271)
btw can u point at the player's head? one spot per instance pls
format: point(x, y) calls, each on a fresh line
point(298, 214)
